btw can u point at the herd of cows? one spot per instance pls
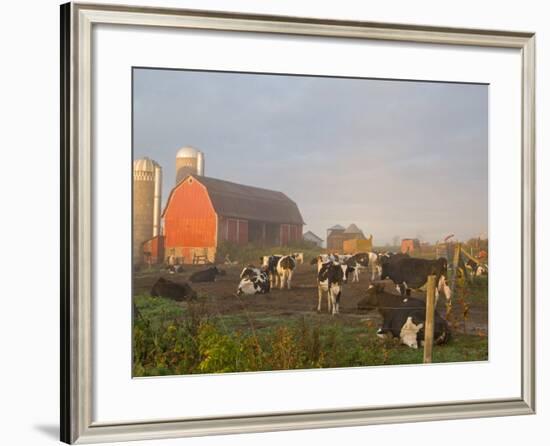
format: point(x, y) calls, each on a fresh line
point(403, 316)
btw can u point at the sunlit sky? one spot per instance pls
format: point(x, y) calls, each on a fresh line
point(397, 158)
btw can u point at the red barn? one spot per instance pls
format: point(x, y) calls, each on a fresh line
point(201, 212)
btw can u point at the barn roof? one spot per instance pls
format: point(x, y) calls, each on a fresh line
point(313, 235)
point(247, 202)
point(353, 229)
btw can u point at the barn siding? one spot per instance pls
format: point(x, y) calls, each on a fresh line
point(189, 220)
point(284, 234)
point(242, 238)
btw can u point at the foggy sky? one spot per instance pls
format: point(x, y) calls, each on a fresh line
point(397, 158)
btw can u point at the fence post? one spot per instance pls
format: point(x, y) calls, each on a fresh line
point(429, 323)
point(456, 260)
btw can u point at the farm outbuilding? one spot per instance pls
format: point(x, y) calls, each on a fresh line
point(313, 238)
point(202, 212)
point(337, 236)
point(409, 245)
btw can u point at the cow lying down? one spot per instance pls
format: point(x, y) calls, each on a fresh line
point(253, 281)
point(404, 317)
point(172, 290)
point(207, 275)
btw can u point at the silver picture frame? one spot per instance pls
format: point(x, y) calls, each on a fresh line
point(77, 22)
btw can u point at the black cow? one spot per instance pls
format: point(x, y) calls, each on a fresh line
point(207, 275)
point(396, 311)
point(172, 290)
point(412, 273)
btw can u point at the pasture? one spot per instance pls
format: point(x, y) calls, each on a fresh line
point(223, 332)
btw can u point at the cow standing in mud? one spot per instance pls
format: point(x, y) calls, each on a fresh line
point(412, 273)
point(285, 269)
point(269, 265)
point(331, 275)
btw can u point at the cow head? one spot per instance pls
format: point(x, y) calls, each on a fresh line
point(372, 299)
point(409, 333)
point(299, 257)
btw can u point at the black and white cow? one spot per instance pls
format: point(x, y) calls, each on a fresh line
point(412, 273)
point(253, 281)
point(269, 264)
point(330, 279)
point(323, 258)
point(207, 275)
point(396, 311)
point(331, 275)
point(173, 269)
point(299, 257)
point(172, 290)
point(285, 268)
point(357, 262)
point(476, 268)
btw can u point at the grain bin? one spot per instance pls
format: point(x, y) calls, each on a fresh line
point(189, 161)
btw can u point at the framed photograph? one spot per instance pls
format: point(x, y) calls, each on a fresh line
point(274, 223)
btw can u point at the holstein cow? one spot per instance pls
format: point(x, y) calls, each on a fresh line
point(358, 261)
point(373, 260)
point(299, 256)
point(475, 268)
point(331, 276)
point(396, 310)
point(207, 275)
point(285, 269)
point(269, 264)
point(253, 281)
point(412, 273)
point(171, 290)
point(409, 333)
point(173, 269)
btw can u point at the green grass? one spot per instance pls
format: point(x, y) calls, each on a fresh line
point(172, 338)
point(477, 290)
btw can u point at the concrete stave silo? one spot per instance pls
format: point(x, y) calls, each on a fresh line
point(147, 179)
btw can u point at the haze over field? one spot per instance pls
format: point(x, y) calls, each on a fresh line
point(394, 157)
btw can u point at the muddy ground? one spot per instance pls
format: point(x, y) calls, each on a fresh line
point(301, 299)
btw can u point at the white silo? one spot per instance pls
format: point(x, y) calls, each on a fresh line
point(200, 164)
point(189, 161)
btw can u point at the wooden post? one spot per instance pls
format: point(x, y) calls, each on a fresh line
point(456, 259)
point(429, 323)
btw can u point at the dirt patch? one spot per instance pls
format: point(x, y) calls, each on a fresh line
point(302, 298)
